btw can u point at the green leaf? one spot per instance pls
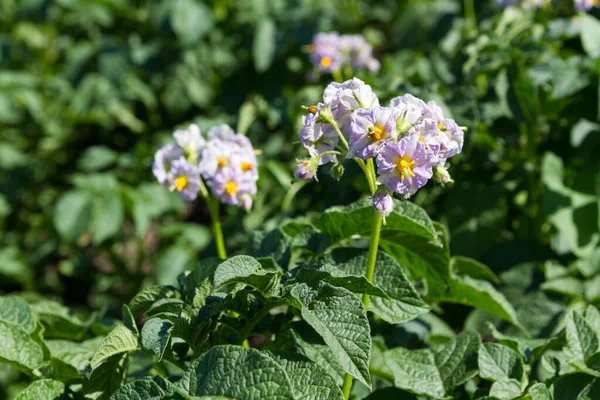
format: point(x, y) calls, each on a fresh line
point(473, 268)
point(18, 349)
point(482, 295)
point(309, 380)
point(355, 284)
point(147, 388)
point(415, 371)
point(506, 390)
point(247, 270)
point(96, 157)
point(581, 130)
point(17, 311)
point(129, 319)
point(264, 45)
point(77, 354)
point(499, 363)
point(407, 219)
point(108, 214)
point(45, 389)
point(590, 32)
point(456, 361)
point(120, 340)
point(340, 318)
point(156, 336)
point(59, 321)
point(592, 316)
point(61, 371)
point(239, 373)
point(404, 302)
point(529, 349)
point(572, 386)
point(190, 20)
point(198, 284)
point(142, 301)
point(581, 338)
point(107, 377)
point(539, 391)
point(72, 215)
point(322, 355)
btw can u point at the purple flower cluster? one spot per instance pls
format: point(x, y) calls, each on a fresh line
point(330, 51)
point(225, 160)
point(585, 5)
point(410, 140)
point(527, 4)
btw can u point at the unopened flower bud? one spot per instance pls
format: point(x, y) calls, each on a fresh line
point(442, 176)
point(325, 114)
point(306, 169)
point(383, 203)
point(337, 170)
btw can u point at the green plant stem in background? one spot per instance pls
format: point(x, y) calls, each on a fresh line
point(369, 170)
point(291, 193)
point(337, 76)
point(213, 207)
point(470, 16)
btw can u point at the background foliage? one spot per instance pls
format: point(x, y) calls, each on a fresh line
point(90, 89)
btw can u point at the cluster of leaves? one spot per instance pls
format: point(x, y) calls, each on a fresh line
point(296, 300)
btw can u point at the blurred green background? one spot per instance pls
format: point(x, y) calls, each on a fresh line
point(90, 89)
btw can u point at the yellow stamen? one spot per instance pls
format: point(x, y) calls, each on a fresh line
point(246, 166)
point(231, 188)
point(181, 183)
point(312, 109)
point(441, 126)
point(405, 166)
point(222, 162)
point(376, 132)
point(326, 61)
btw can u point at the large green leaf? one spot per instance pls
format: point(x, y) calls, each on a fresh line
point(247, 270)
point(142, 301)
point(18, 349)
point(499, 363)
point(72, 214)
point(403, 304)
point(18, 312)
point(582, 339)
point(506, 389)
point(429, 373)
point(59, 321)
point(322, 355)
point(407, 219)
point(590, 31)
point(482, 295)
point(340, 318)
point(77, 354)
point(239, 373)
point(198, 284)
point(106, 378)
point(309, 380)
point(147, 388)
point(190, 20)
point(156, 336)
point(120, 340)
point(45, 389)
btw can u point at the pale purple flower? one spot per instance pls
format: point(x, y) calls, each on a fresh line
point(585, 5)
point(325, 52)
point(190, 140)
point(226, 149)
point(358, 52)
point(317, 136)
point(346, 97)
point(370, 129)
point(383, 204)
point(163, 159)
point(404, 166)
point(532, 4)
point(186, 179)
point(409, 111)
point(231, 187)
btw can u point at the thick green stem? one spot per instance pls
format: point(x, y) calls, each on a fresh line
point(213, 207)
point(340, 134)
point(469, 7)
point(369, 170)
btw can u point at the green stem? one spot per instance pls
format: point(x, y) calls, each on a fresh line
point(470, 16)
point(337, 76)
point(340, 134)
point(257, 318)
point(292, 191)
point(369, 170)
point(213, 208)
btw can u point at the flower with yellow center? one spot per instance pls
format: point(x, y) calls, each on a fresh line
point(326, 61)
point(405, 165)
point(246, 166)
point(376, 132)
point(181, 183)
point(222, 162)
point(231, 188)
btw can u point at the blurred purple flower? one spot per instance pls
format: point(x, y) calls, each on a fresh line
point(186, 179)
point(163, 159)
